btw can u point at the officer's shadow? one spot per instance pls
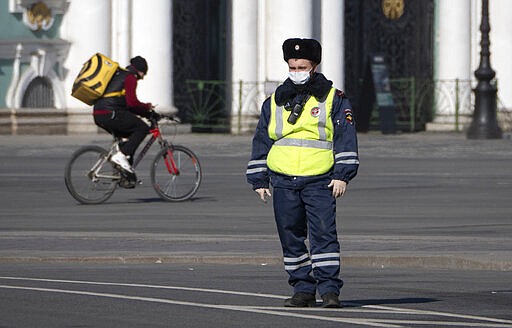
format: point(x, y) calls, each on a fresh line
point(388, 301)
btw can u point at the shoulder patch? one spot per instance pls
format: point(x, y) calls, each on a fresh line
point(349, 117)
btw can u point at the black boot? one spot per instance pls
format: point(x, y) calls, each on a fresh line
point(331, 300)
point(300, 300)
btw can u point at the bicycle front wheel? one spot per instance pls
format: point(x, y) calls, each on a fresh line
point(176, 173)
point(90, 177)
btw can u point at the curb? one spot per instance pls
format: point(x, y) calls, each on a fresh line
point(378, 262)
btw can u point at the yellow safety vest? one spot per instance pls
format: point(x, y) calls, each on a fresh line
point(303, 148)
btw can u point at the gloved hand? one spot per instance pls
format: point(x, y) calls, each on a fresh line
point(175, 119)
point(154, 116)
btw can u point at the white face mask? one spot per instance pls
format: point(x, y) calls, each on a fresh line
point(299, 77)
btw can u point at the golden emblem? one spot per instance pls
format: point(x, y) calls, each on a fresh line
point(393, 9)
point(39, 16)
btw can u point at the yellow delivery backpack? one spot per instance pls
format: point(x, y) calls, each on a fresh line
point(91, 82)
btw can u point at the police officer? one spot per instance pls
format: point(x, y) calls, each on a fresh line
point(305, 146)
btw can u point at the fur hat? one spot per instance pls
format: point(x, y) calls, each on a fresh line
point(302, 49)
point(140, 64)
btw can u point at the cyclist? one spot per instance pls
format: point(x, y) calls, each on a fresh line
point(118, 110)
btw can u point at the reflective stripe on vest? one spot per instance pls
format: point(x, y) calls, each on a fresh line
point(303, 148)
point(304, 143)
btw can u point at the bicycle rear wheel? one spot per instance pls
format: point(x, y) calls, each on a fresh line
point(90, 177)
point(176, 173)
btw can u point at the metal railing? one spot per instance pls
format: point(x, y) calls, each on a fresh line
point(417, 102)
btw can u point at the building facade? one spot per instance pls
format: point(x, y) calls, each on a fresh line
point(215, 61)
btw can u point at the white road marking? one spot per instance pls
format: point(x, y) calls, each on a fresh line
point(218, 291)
point(358, 321)
point(444, 314)
point(280, 311)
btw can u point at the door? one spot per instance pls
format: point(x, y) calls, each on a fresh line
point(401, 31)
point(199, 65)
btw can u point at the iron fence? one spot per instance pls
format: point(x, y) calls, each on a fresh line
point(416, 101)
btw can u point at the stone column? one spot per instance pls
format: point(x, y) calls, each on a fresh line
point(152, 39)
point(452, 61)
point(244, 63)
point(86, 25)
point(333, 48)
point(285, 19)
point(121, 31)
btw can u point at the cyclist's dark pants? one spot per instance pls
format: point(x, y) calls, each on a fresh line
point(126, 125)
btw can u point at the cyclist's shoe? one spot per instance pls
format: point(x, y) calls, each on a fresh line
point(120, 160)
point(301, 300)
point(126, 184)
point(331, 300)
point(128, 180)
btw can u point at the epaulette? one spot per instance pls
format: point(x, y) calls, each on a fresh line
point(340, 93)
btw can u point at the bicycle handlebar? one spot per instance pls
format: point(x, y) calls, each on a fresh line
point(156, 118)
point(172, 118)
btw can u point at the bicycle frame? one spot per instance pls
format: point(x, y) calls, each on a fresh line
point(155, 135)
point(94, 174)
point(176, 179)
point(169, 160)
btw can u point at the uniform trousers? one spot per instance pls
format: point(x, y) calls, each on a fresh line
point(304, 208)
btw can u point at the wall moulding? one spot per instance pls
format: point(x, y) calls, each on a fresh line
point(38, 15)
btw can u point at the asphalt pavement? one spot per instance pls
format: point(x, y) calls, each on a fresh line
point(223, 295)
point(423, 200)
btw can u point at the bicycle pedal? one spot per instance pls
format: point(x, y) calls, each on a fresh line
point(126, 184)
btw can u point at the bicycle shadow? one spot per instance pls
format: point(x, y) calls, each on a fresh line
point(163, 201)
point(389, 301)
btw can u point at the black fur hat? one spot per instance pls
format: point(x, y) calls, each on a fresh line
point(302, 49)
point(140, 64)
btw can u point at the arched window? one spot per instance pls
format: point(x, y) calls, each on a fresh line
point(39, 94)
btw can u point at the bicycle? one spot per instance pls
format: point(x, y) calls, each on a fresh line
point(175, 171)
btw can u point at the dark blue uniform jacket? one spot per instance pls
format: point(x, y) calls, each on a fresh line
point(345, 149)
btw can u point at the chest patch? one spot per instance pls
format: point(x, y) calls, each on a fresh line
point(315, 112)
